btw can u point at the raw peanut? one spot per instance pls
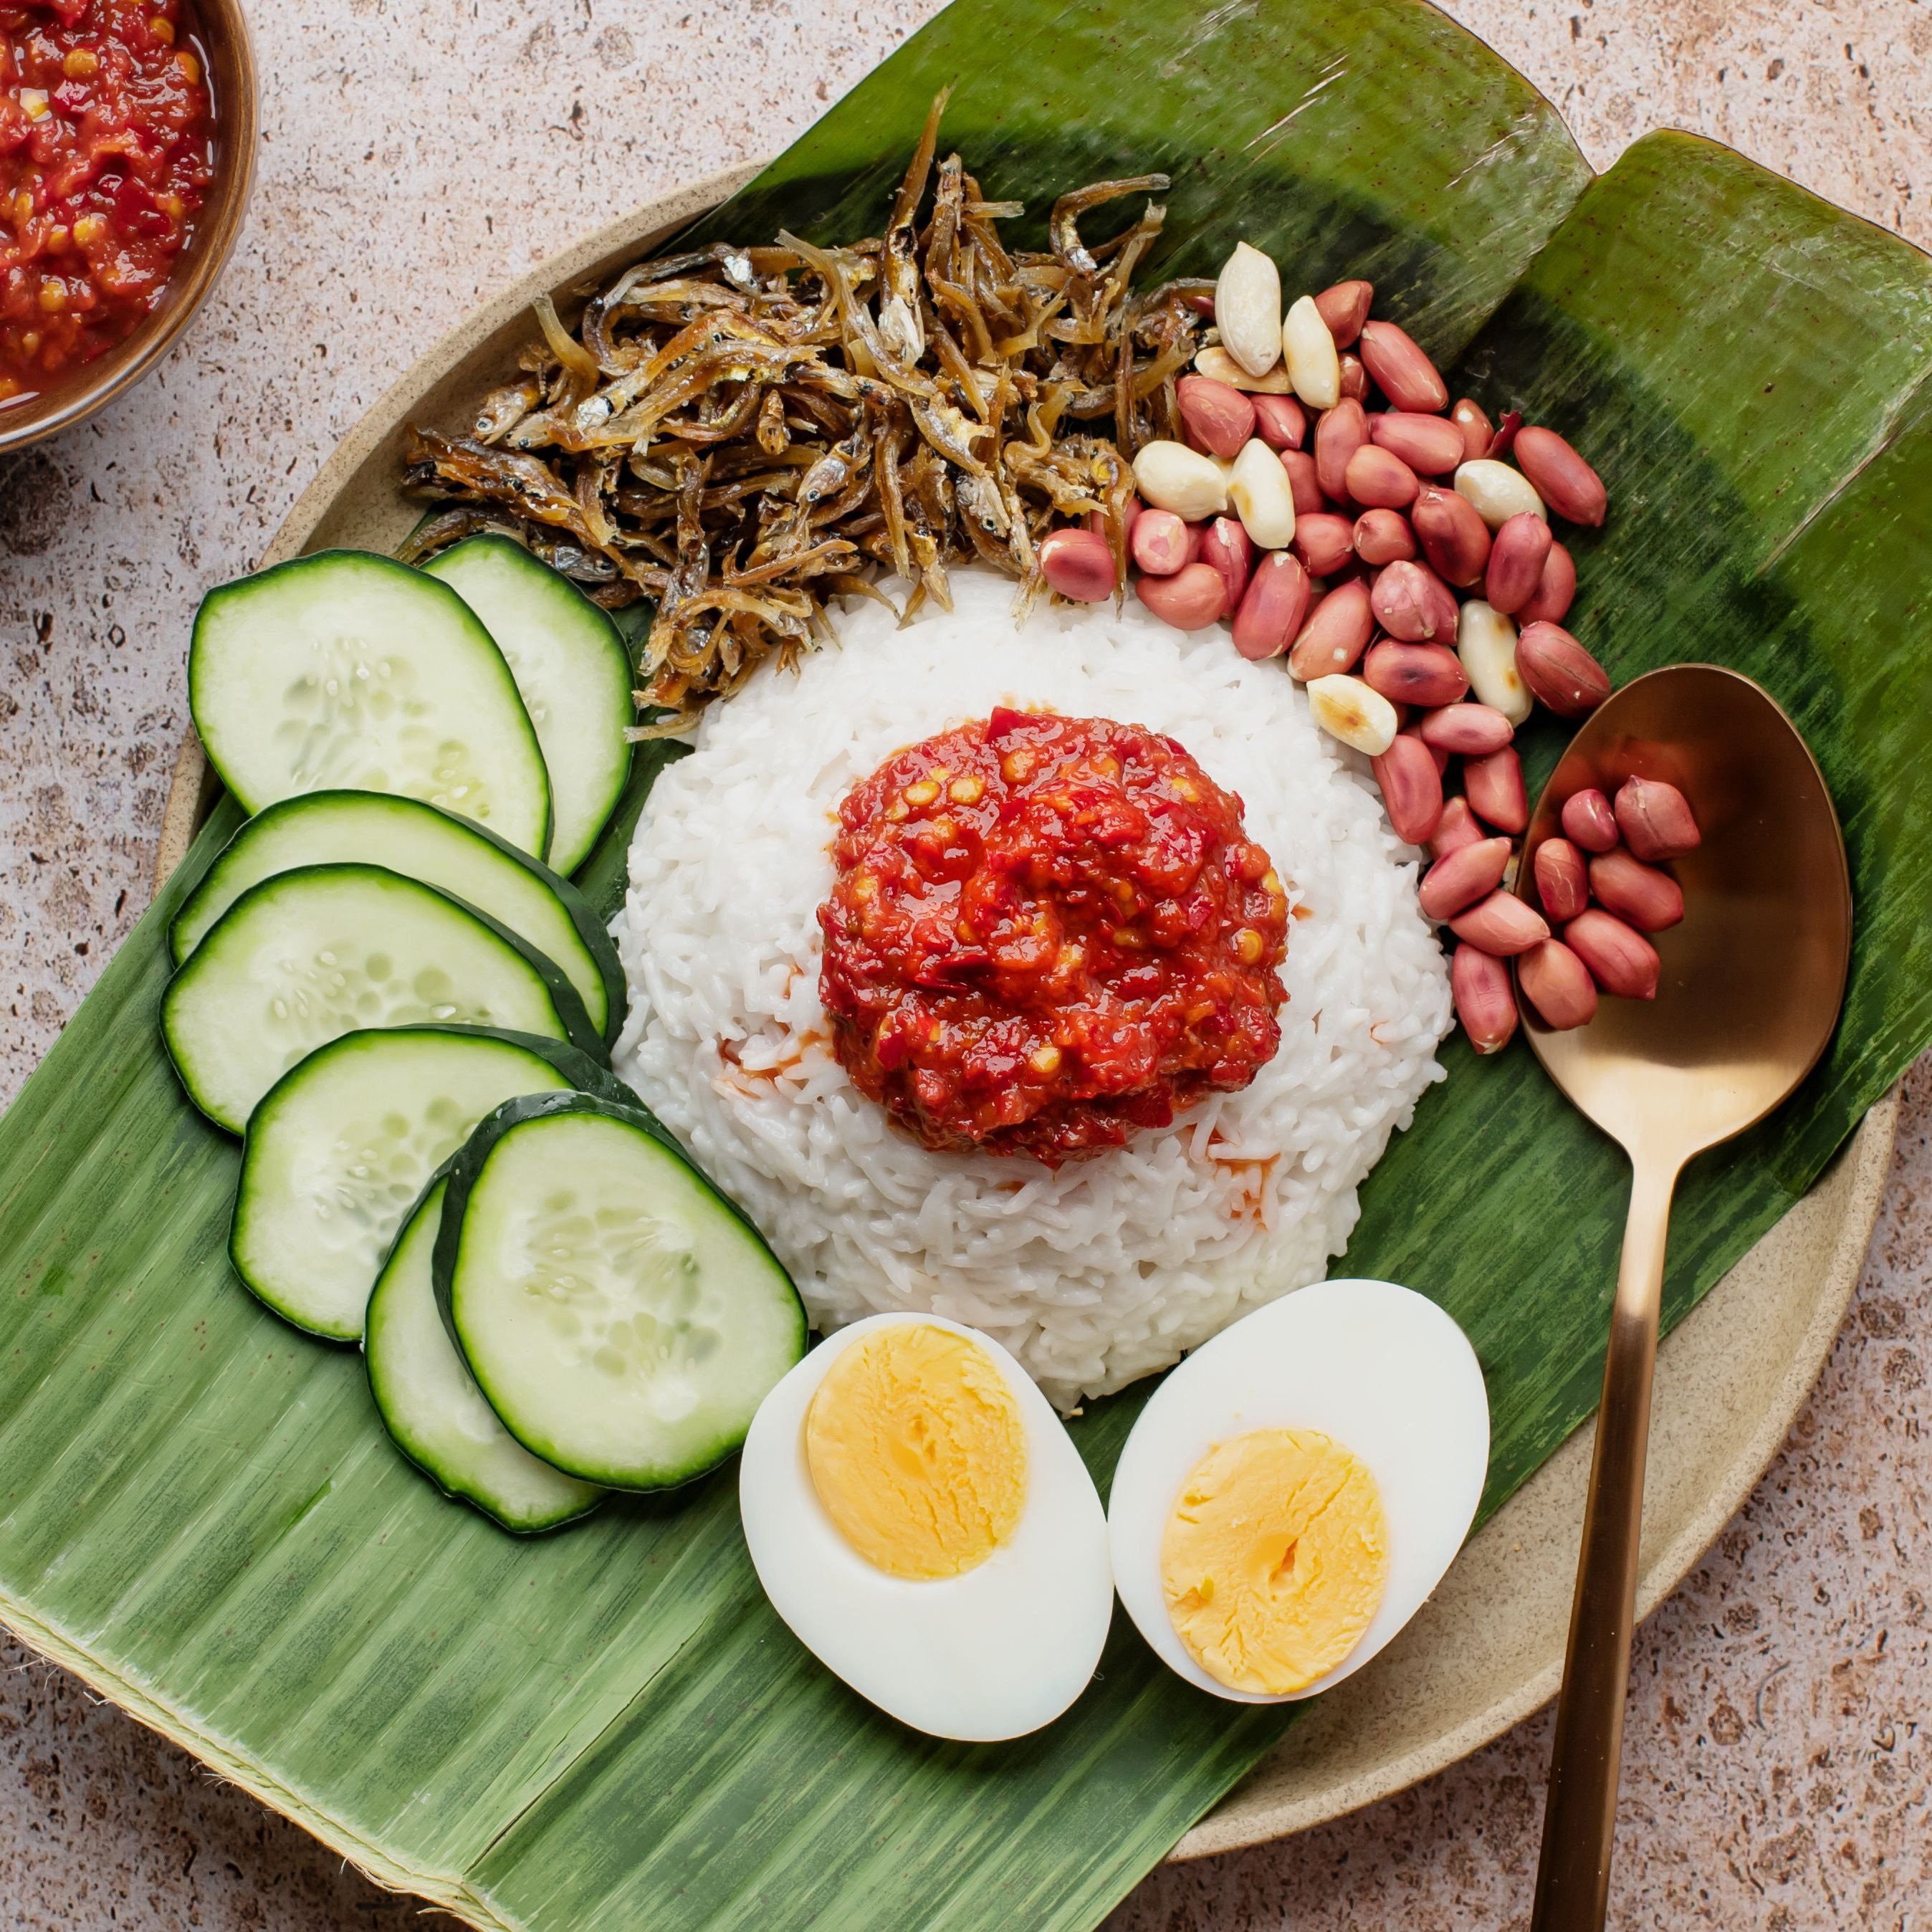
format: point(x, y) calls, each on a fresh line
point(1263, 497)
point(1501, 924)
point(1354, 380)
point(1517, 559)
point(1435, 751)
point(1160, 544)
point(1646, 898)
point(1470, 729)
point(1558, 671)
point(1280, 421)
point(1338, 434)
point(1313, 366)
point(1218, 366)
point(1563, 480)
point(1498, 492)
point(1411, 603)
point(1226, 550)
point(1621, 960)
point(1455, 539)
point(1473, 426)
point(1345, 308)
point(1486, 642)
point(1334, 635)
point(1383, 536)
point(1589, 821)
point(1656, 821)
point(1323, 541)
point(1411, 789)
point(1493, 785)
point(1555, 593)
point(1561, 882)
point(1460, 877)
point(1428, 675)
point(1345, 708)
point(1273, 606)
point(1217, 418)
point(1379, 479)
point(1557, 984)
point(1247, 309)
point(1401, 370)
point(1302, 483)
point(1190, 600)
point(1459, 828)
point(1171, 476)
point(1485, 1003)
point(1078, 564)
point(1430, 446)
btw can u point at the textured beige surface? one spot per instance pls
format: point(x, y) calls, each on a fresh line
point(415, 160)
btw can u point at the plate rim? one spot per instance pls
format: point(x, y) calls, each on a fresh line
point(1248, 1816)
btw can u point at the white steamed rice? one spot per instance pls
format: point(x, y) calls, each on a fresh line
point(1110, 1267)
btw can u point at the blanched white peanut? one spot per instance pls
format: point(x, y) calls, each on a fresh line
point(1218, 366)
point(1486, 642)
point(1171, 476)
point(1247, 310)
point(1262, 496)
point(1314, 364)
point(1496, 492)
point(1347, 709)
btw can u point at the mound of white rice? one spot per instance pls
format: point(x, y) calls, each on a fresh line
point(1110, 1267)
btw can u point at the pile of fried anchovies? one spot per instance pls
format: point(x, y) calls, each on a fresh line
point(739, 433)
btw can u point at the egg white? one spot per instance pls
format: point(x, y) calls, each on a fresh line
point(995, 1653)
point(1383, 1371)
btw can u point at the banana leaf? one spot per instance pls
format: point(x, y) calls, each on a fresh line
point(608, 1727)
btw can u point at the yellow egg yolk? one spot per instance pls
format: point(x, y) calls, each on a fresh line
point(1274, 1559)
point(917, 1450)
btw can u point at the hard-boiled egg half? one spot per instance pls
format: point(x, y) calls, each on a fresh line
point(1295, 1488)
point(918, 1516)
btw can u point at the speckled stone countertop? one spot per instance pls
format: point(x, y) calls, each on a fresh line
point(417, 154)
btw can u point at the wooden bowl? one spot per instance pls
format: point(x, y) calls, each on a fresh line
point(223, 36)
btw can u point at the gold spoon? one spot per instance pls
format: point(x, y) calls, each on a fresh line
point(1751, 985)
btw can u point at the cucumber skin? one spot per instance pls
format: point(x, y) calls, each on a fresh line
point(570, 1009)
point(574, 1065)
point(212, 601)
point(487, 540)
point(403, 1449)
point(588, 927)
point(467, 1163)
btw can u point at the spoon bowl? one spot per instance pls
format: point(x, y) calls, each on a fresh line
point(1753, 979)
point(1751, 985)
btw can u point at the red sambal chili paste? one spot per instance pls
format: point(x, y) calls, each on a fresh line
point(106, 132)
point(1047, 932)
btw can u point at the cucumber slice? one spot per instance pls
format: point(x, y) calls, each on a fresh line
point(310, 955)
point(435, 1411)
point(341, 1145)
point(621, 1318)
point(405, 835)
point(570, 664)
point(348, 670)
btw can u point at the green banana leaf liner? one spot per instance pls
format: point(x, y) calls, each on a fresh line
point(608, 1728)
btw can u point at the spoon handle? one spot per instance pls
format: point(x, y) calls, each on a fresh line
point(1579, 1814)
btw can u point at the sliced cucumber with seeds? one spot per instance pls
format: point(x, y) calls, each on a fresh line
point(340, 1146)
point(570, 664)
point(622, 1318)
point(406, 835)
point(348, 670)
point(310, 955)
point(430, 1403)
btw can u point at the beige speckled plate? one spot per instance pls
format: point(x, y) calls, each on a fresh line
point(1489, 1647)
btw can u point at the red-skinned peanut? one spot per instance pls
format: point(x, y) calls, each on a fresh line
point(1557, 983)
point(1493, 785)
point(1459, 828)
point(1516, 557)
point(1160, 544)
point(1501, 924)
point(1078, 564)
point(1273, 606)
point(1336, 633)
point(1641, 895)
point(1555, 593)
point(1411, 789)
point(1302, 480)
point(1561, 882)
point(1453, 537)
point(1383, 536)
point(1345, 308)
point(1485, 1001)
point(1280, 421)
point(1435, 751)
point(1621, 960)
point(1563, 479)
point(1425, 675)
point(1473, 729)
point(1401, 370)
point(1459, 878)
point(1412, 604)
point(1216, 417)
point(1589, 821)
point(1430, 446)
point(1378, 478)
point(1472, 425)
point(1338, 434)
point(1323, 541)
point(1226, 547)
point(1656, 820)
point(1354, 379)
point(1559, 671)
point(1190, 600)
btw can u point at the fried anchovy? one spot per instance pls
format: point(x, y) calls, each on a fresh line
point(741, 433)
